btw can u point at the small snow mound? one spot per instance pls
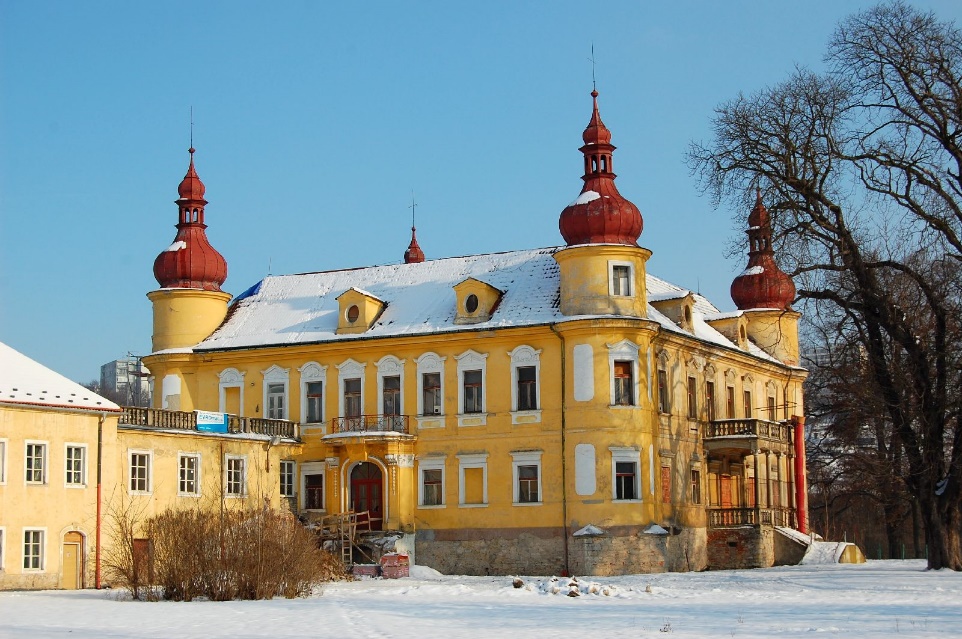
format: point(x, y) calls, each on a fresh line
point(655, 529)
point(572, 587)
point(589, 531)
point(424, 572)
point(823, 552)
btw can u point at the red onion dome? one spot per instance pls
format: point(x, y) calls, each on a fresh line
point(190, 261)
point(600, 215)
point(762, 284)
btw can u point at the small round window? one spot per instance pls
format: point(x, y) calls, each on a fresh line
point(471, 303)
point(353, 313)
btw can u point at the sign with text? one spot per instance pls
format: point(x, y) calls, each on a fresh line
point(211, 422)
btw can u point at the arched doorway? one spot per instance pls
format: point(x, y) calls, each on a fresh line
point(71, 573)
point(367, 490)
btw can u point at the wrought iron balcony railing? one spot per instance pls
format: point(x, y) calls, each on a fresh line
point(750, 428)
point(181, 420)
point(371, 424)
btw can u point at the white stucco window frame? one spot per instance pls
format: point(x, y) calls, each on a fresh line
point(230, 378)
point(349, 369)
point(473, 460)
point(526, 458)
point(311, 468)
point(524, 356)
point(624, 351)
point(389, 366)
point(4, 445)
point(429, 363)
point(277, 375)
point(43, 548)
point(431, 462)
point(44, 461)
point(83, 464)
point(150, 470)
point(198, 474)
point(229, 457)
point(611, 278)
point(472, 360)
point(313, 372)
point(625, 454)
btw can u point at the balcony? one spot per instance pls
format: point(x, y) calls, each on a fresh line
point(747, 435)
point(365, 424)
point(180, 420)
point(732, 517)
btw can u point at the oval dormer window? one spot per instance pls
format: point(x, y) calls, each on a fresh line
point(353, 313)
point(688, 315)
point(471, 303)
point(741, 333)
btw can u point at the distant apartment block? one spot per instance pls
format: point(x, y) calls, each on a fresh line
point(126, 381)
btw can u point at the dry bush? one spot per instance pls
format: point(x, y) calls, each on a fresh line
point(125, 564)
point(247, 553)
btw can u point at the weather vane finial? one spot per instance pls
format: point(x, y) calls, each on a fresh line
point(412, 207)
point(192, 126)
point(594, 87)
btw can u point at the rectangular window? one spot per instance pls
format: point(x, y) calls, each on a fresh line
point(528, 484)
point(431, 396)
point(275, 401)
point(472, 392)
point(626, 480)
point(392, 395)
point(624, 384)
point(710, 400)
point(315, 402)
point(314, 491)
point(33, 550)
point(36, 463)
point(76, 465)
point(236, 476)
point(692, 398)
point(695, 487)
point(139, 472)
point(620, 280)
point(352, 397)
point(771, 408)
point(748, 404)
point(432, 487)
point(666, 484)
point(287, 478)
point(188, 474)
point(730, 403)
point(663, 404)
point(527, 388)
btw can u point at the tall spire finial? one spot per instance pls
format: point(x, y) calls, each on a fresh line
point(412, 207)
point(594, 86)
point(192, 127)
point(413, 254)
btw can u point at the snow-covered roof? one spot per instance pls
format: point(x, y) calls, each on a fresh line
point(303, 308)
point(26, 382)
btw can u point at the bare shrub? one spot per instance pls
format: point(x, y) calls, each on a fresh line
point(246, 553)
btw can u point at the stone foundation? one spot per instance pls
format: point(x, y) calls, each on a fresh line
point(742, 547)
point(540, 551)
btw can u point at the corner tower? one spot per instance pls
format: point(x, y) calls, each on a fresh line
point(189, 304)
point(764, 293)
point(602, 267)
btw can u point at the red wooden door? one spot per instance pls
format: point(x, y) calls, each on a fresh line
point(726, 491)
point(367, 491)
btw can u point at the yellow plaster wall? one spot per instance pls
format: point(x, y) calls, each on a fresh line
point(185, 316)
point(585, 280)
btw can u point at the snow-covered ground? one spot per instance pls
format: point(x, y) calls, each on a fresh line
point(877, 599)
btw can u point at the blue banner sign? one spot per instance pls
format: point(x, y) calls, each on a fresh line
point(211, 422)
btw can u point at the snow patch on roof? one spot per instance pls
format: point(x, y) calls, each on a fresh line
point(587, 196)
point(754, 270)
point(179, 245)
point(24, 381)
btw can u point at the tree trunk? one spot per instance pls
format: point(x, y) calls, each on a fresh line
point(917, 529)
point(943, 533)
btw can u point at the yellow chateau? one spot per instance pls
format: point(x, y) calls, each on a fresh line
point(547, 411)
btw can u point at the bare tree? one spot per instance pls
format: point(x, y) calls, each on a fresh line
point(862, 167)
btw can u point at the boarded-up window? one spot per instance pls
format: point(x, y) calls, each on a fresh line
point(474, 485)
point(232, 400)
point(666, 484)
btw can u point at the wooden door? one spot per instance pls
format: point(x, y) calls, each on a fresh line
point(367, 493)
point(726, 491)
point(71, 568)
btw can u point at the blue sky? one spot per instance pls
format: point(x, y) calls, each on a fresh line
point(315, 121)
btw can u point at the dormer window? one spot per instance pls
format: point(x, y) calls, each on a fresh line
point(359, 311)
point(476, 301)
